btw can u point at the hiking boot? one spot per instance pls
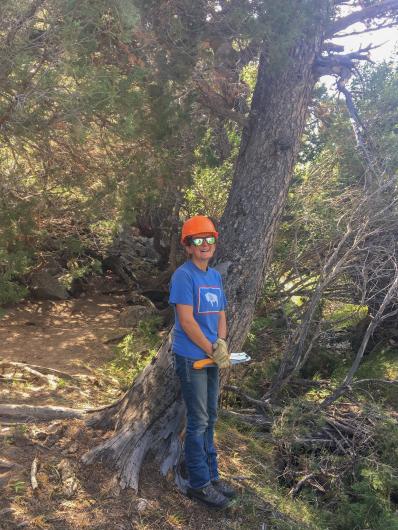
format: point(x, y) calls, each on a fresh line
point(223, 487)
point(208, 495)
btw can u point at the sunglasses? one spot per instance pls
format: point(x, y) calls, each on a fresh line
point(197, 241)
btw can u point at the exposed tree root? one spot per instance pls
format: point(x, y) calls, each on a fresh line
point(148, 418)
point(127, 449)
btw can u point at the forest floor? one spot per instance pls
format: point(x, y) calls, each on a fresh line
point(77, 337)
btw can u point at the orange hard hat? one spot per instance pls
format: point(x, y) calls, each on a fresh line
point(199, 224)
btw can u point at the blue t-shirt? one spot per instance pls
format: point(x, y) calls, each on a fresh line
point(204, 292)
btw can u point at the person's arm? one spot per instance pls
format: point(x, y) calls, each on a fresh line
point(222, 325)
point(192, 329)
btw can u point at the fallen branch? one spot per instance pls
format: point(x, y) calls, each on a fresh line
point(39, 412)
point(20, 366)
point(33, 473)
point(248, 398)
point(300, 484)
point(6, 379)
point(40, 370)
point(382, 381)
point(252, 419)
point(309, 382)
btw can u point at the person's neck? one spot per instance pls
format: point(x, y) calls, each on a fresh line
point(202, 265)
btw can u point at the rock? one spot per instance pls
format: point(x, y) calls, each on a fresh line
point(139, 299)
point(133, 314)
point(131, 253)
point(156, 295)
point(43, 286)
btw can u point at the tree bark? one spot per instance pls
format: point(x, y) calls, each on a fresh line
point(263, 172)
point(150, 415)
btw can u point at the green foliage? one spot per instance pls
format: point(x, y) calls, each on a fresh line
point(77, 270)
point(369, 496)
point(15, 254)
point(18, 486)
point(134, 352)
point(209, 191)
point(344, 315)
point(298, 419)
point(11, 265)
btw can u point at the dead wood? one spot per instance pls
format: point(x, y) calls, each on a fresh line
point(377, 319)
point(116, 338)
point(240, 392)
point(11, 379)
point(251, 419)
point(31, 371)
point(70, 483)
point(377, 381)
point(361, 15)
point(39, 371)
point(33, 473)
point(300, 484)
point(39, 412)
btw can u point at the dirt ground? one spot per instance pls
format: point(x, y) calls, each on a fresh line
point(75, 337)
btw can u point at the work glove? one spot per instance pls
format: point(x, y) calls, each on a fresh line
point(220, 354)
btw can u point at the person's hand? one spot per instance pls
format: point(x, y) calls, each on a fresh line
point(220, 354)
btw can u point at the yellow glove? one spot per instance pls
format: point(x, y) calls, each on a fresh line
point(220, 354)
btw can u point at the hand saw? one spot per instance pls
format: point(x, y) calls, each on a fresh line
point(236, 358)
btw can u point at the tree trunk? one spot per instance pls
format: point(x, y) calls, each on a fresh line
point(150, 415)
point(263, 172)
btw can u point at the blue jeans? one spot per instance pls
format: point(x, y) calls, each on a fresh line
point(200, 392)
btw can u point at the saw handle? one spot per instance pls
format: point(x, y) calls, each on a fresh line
point(203, 363)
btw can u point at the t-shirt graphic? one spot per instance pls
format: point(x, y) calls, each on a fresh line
point(209, 299)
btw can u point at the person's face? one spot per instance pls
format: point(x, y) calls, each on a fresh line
point(204, 252)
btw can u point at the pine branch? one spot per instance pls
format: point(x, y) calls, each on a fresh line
point(359, 16)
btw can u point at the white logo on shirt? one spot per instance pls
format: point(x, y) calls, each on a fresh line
point(212, 298)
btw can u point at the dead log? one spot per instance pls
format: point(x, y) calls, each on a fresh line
point(39, 412)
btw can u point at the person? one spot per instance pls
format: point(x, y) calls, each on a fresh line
point(200, 331)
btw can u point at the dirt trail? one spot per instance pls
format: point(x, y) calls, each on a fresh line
point(67, 335)
point(71, 336)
